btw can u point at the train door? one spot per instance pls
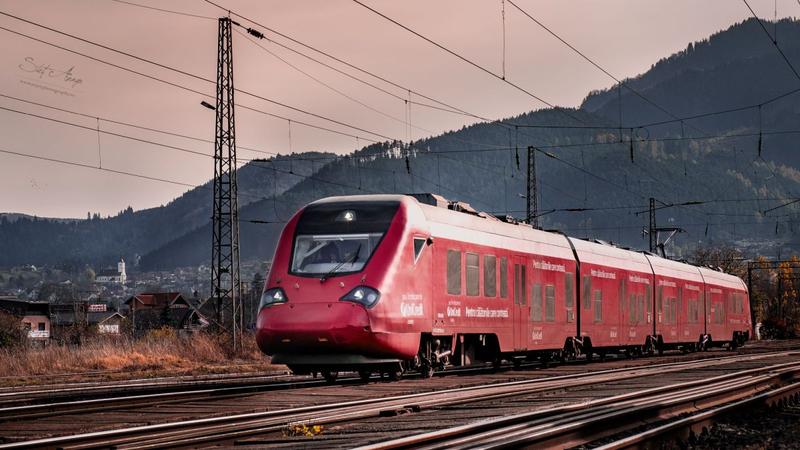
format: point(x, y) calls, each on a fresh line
point(521, 307)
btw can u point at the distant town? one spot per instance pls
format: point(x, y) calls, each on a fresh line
point(67, 305)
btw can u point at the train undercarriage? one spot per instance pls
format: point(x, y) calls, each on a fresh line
point(438, 353)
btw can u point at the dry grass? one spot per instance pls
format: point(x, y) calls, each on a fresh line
point(161, 352)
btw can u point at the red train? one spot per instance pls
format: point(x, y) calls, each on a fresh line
point(392, 282)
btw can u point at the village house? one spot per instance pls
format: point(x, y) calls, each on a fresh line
point(33, 315)
point(151, 310)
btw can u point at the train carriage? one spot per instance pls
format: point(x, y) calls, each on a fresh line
point(388, 282)
point(727, 312)
point(679, 308)
point(615, 303)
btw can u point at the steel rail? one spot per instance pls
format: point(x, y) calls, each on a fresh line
point(140, 393)
point(39, 388)
point(137, 400)
point(197, 431)
point(769, 398)
point(11, 395)
point(584, 422)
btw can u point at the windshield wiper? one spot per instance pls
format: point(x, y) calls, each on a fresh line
point(338, 266)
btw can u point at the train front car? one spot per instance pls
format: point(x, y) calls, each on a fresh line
point(346, 290)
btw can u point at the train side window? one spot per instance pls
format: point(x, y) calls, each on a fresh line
point(503, 277)
point(632, 309)
point(550, 303)
point(660, 300)
point(454, 272)
point(640, 308)
point(536, 302)
point(523, 298)
point(473, 275)
point(516, 284)
point(489, 275)
point(569, 296)
point(648, 305)
point(598, 305)
point(586, 295)
point(674, 310)
point(419, 245)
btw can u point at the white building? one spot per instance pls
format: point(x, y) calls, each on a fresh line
point(110, 276)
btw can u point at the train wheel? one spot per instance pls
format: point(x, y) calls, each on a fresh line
point(496, 363)
point(426, 370)
point(395, 375)
point(330, 377)
point(364, 375)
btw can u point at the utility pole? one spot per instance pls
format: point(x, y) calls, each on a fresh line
point(532, 197)
point(651, 231)
point(225, 286)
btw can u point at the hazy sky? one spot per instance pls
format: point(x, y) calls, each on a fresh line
point(625, 36)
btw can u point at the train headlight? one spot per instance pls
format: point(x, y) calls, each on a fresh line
point(271, 297)
point(363, 295)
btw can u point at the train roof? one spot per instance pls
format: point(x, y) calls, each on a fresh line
point(458, 220)
point(362, 198)
point(669, 268)
point(722, 279)
point(609, 255)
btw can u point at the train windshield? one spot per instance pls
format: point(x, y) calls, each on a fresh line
point(339, 237)
point(333, 253)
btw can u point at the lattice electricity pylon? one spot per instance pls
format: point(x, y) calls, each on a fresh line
point(225, 286)
point(532, 195)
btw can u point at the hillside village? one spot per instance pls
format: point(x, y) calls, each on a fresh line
point(66, 307)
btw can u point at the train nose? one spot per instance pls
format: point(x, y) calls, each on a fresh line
point(318, 326)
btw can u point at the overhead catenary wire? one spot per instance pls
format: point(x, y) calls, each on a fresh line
point(167, 146)
point(451, 108)
point(591, 61)
point(186, 88)
point(448, 107)
point(557, 146)
point(469, 61)
point(773, 40)
point(176, 70)
point(170, 11)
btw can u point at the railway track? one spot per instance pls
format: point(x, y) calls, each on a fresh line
point(232, 428)
point(48, 401)
point(580, 423)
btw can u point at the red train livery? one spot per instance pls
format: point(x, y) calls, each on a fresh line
point(392, 282)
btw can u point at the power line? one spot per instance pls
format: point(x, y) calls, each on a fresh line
point(171, 147)
point(176, 70)
point(197, 16)
point(450, 108)
point(467, 60)
point(103, 169)
point(183, 87)
point(773, 40)
point(592, 62)
point(347, 64)
point(132, 125)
